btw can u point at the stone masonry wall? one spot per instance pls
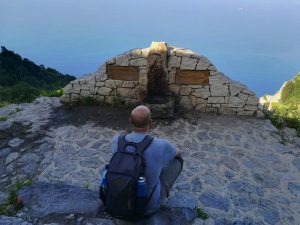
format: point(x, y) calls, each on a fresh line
point(220, 94)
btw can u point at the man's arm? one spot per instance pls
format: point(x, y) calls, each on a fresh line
point(169, 152)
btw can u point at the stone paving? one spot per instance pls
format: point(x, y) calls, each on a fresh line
point(240, 170)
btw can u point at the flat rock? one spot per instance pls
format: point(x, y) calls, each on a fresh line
point(196, 185)
point(269, 213)
point(166, 216)
point(229, 174)
point(15, 142)
point(4, 152)
point(297, 142)
point(267, 180)
point(230, 163)
point(213, 200)
point(97, 221)
point(243, 187)
point(294, 188)
point(5, 220)
point(13, 156)
point(296, 163)
point(2, 196)
point(43, 199)
point(182, 199)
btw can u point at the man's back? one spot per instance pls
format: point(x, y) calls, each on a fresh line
point(157, 156)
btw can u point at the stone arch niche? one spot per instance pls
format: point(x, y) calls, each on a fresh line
point(190, 78)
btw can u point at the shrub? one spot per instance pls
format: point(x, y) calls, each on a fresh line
point(18, 93)
point(285, 115)
point(21, 80)
point(291, 91)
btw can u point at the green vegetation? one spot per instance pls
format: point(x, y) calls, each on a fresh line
point(3, 104)
point(86, 185)
point(117, 100)
point(3, 118)
point(88, 101)
point(291, 91)
point(22, 80)
point(12, 203)
point(285, 115)
point(201, 214)
point(286, 112)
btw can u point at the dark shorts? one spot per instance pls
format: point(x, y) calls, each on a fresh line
point(168, 177)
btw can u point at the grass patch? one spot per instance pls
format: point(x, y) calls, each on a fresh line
point(12, 203)
point(3, 104)
point(201, 214)
point(86, 185)
point(3, 118)
point(53, 93)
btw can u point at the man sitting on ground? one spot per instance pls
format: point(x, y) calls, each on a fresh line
point(163, 161)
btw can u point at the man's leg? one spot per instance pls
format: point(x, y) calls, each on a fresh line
point(168, 177)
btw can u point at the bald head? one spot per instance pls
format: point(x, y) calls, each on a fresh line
point(140, 117)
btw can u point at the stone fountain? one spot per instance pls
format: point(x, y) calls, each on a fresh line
point(160, 74)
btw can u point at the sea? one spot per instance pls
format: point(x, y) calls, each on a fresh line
point(256, 42)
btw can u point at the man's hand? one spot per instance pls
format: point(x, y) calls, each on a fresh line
point(178, 152)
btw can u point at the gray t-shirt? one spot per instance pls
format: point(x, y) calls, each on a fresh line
point(157, 155)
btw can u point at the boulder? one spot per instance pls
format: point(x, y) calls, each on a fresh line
point(44, 199)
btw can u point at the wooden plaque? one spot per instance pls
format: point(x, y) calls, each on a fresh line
point(192, 77)
point(129, 73)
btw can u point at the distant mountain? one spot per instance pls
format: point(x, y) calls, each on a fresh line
point(14, 69)
point(21, 80)
point(289, 93)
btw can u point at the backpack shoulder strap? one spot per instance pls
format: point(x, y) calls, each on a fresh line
point(141, 147)
point(122, 142)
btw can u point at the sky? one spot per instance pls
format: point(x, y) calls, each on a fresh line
point(256, 42)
